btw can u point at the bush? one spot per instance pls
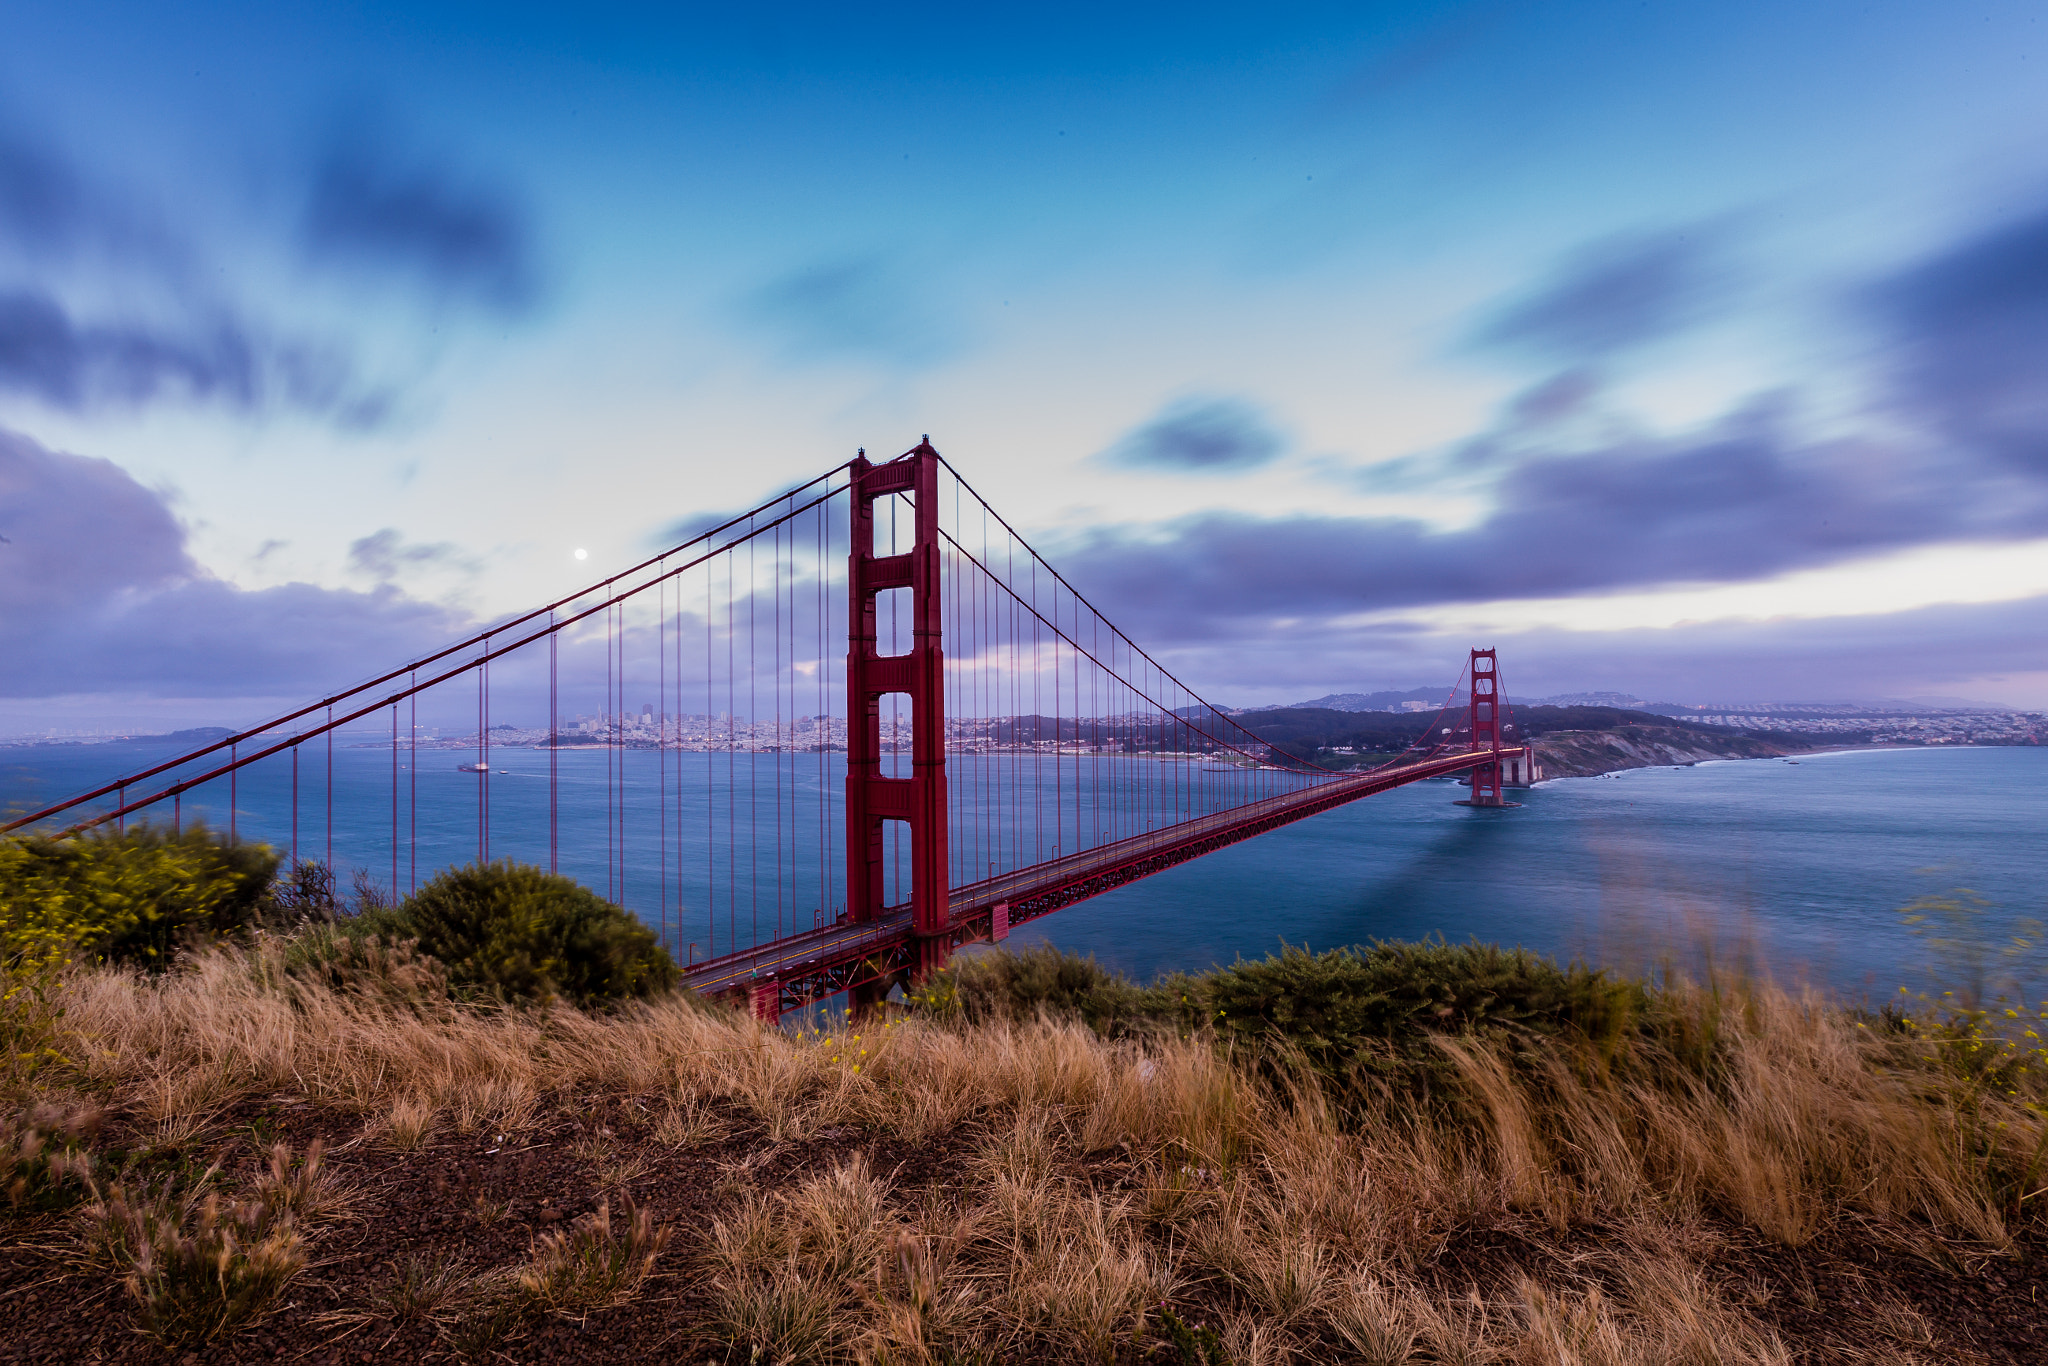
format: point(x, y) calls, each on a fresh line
point(524, 934)
point(126, 897)
point(1325, 1004)
point(1328, 1008)
point(1009, 984)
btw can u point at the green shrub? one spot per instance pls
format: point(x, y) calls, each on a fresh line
point(1018, 984)
point(125, 897)
point(524, 934)
point(1326, 1004)
point(1326, 1008)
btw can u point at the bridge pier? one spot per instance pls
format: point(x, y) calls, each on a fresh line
point(1523, 770)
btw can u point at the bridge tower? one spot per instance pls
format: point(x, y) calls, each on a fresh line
point(871, 799)
point(1485, 707)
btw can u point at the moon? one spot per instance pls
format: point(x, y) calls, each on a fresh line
point(582, 554)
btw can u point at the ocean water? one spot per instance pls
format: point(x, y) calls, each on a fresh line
point(1797, 869)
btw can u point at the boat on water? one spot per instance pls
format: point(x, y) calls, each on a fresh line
point(472, 768)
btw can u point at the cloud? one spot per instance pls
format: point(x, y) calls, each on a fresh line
point(1739, 502)
point(385, 555)
point(1970, 331)
point(1958, 649)
point(1613, 296)
point(50, 356)
point(447, 232)
point(99, 593)
point(191, 346)
point(862, 308)
point(1583, 503)
point(69, 243)
point(1200, 435)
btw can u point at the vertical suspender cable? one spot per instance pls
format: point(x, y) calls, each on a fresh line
point(611, 752)
point(394, 801)
point(661, 746)
point(554, 743)
point(412, 805)
point(484, 748)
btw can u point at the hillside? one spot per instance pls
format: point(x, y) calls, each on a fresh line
point(1571, 741)
point(1587, 753)
point(1415, 1153)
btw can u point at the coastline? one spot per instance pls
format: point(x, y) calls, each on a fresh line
point(1590, 754)
point(1595, 754)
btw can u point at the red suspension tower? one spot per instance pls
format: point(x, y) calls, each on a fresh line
point(919, 800)
point(1485, 706)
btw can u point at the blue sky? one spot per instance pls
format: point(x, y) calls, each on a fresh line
point(1694, 351)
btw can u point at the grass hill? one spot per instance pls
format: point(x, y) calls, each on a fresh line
point(1402, 1154)
point(242, 1122)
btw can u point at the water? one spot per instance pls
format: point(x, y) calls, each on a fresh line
point(1799, 868)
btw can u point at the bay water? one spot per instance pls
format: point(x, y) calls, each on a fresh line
point(1805, 871)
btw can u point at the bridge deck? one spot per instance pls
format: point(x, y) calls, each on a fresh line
point(1046, 887)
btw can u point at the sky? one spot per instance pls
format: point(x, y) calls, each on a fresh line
point(1697, 352)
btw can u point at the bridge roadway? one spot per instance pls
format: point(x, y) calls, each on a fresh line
point(817, 962)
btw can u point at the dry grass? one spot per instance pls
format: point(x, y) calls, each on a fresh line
point(593, 1264)
point(197, 1264)
point(1099, 1180)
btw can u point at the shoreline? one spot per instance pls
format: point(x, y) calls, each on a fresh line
point(1794, 755)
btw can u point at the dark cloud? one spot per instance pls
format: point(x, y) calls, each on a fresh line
point(862, 308)
point(56, 359)
point(385, 555)
point(1218, 434)
point(81, 533)
point(178, 337)
point(1970, 329)
point(443, 230)
point(1736, 504)
point(98, 593)
point(1614, 295)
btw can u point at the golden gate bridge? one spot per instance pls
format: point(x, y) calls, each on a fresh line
point(887, 728)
